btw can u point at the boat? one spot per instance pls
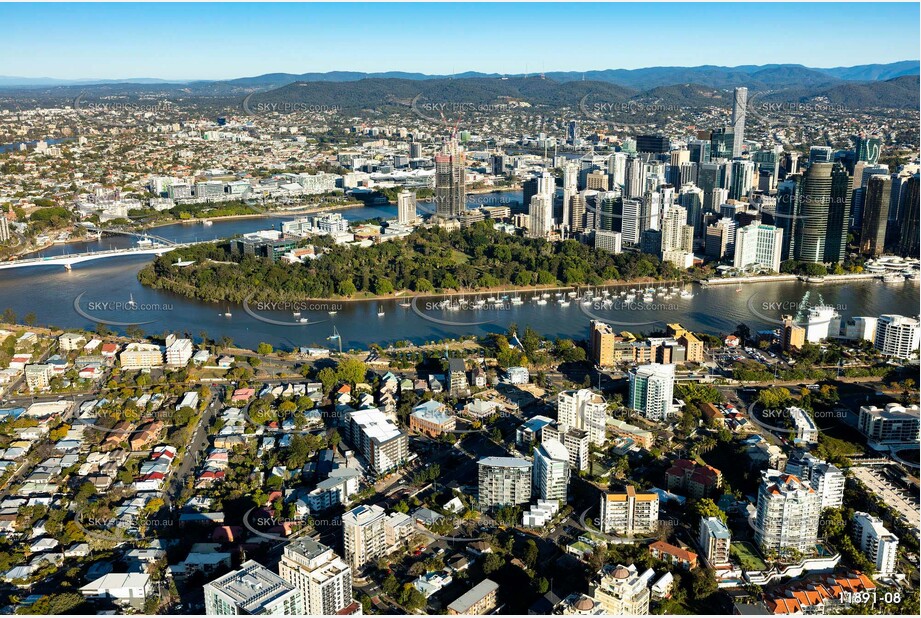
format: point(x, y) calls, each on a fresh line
point(545, 295)
point(406, 305)
point(131, 304)
point(893, 278)
point(586, 301)
point(630, 297)
point(145, 242)
point(207, 222)
point(541, 301)
point(648, 298)
point(563, 302)
point(297, 314)
point(332, 312)
point(303, 320)
point(686, 294)
point(380, 313)
point(571, 294)
point(607, 303)
point(516, 300)
point(227, 313)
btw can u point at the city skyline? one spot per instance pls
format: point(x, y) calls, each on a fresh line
point(225, 41)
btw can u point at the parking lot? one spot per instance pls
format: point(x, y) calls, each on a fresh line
point(898, 499)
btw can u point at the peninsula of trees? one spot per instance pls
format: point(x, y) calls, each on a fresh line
point(430, 260)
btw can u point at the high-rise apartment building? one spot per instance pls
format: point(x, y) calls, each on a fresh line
point(629, 513)
point(652, 390)
point(620, 591)
point(825, 478)
point(406, 207)
point(875, 215)
point(254, 590)
point(739, 111)
point(758, 246)
point(450, 181)
point(583, 409)
point(714, 538)
point(898, 336)
point(363, 535)
point(551, 471)
point(323, 578)
point(813, 210)
point(877, 543)
point(787, 513)
point(503, 481)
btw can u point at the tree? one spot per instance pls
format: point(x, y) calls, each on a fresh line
point(327, 376)
point(531, 554)
point(703, 583)
point(390, 586)
point(541, 585)
point(347, 288)
point(264, 349)
point(705, 507)
point(351, 371)
point(492, 563)
point(411, 598)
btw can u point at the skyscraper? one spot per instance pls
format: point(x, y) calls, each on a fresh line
point(875, 215)
point(634, 178)
point(677, 235)
point(742, 176)
point(450, 181)
point(406, 207)
point(677, 159)
point(739, 105)
point(610, 206)
point(617, 166)
point(691, 198)
point(570, 190)
point(699, 150)
point(577, 212)
point(758, 246)
point(541, 216)
point(813, 210)
point(867, 148)
point(909, 245)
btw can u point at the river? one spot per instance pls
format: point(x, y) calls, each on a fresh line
point(108, 290)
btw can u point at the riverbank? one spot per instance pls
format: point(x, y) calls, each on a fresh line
point(268, 214)
point(404, 295)
point(781, 278)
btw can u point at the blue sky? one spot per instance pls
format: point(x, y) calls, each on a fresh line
point(216, 41)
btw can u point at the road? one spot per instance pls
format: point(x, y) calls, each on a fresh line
point(191, 455)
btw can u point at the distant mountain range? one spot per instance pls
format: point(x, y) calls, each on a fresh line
point(890, 86)
point(373, 93)
point(752, 76)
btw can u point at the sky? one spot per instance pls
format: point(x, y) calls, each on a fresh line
point(220, 41)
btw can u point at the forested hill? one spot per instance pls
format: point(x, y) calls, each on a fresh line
point(429, 260)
